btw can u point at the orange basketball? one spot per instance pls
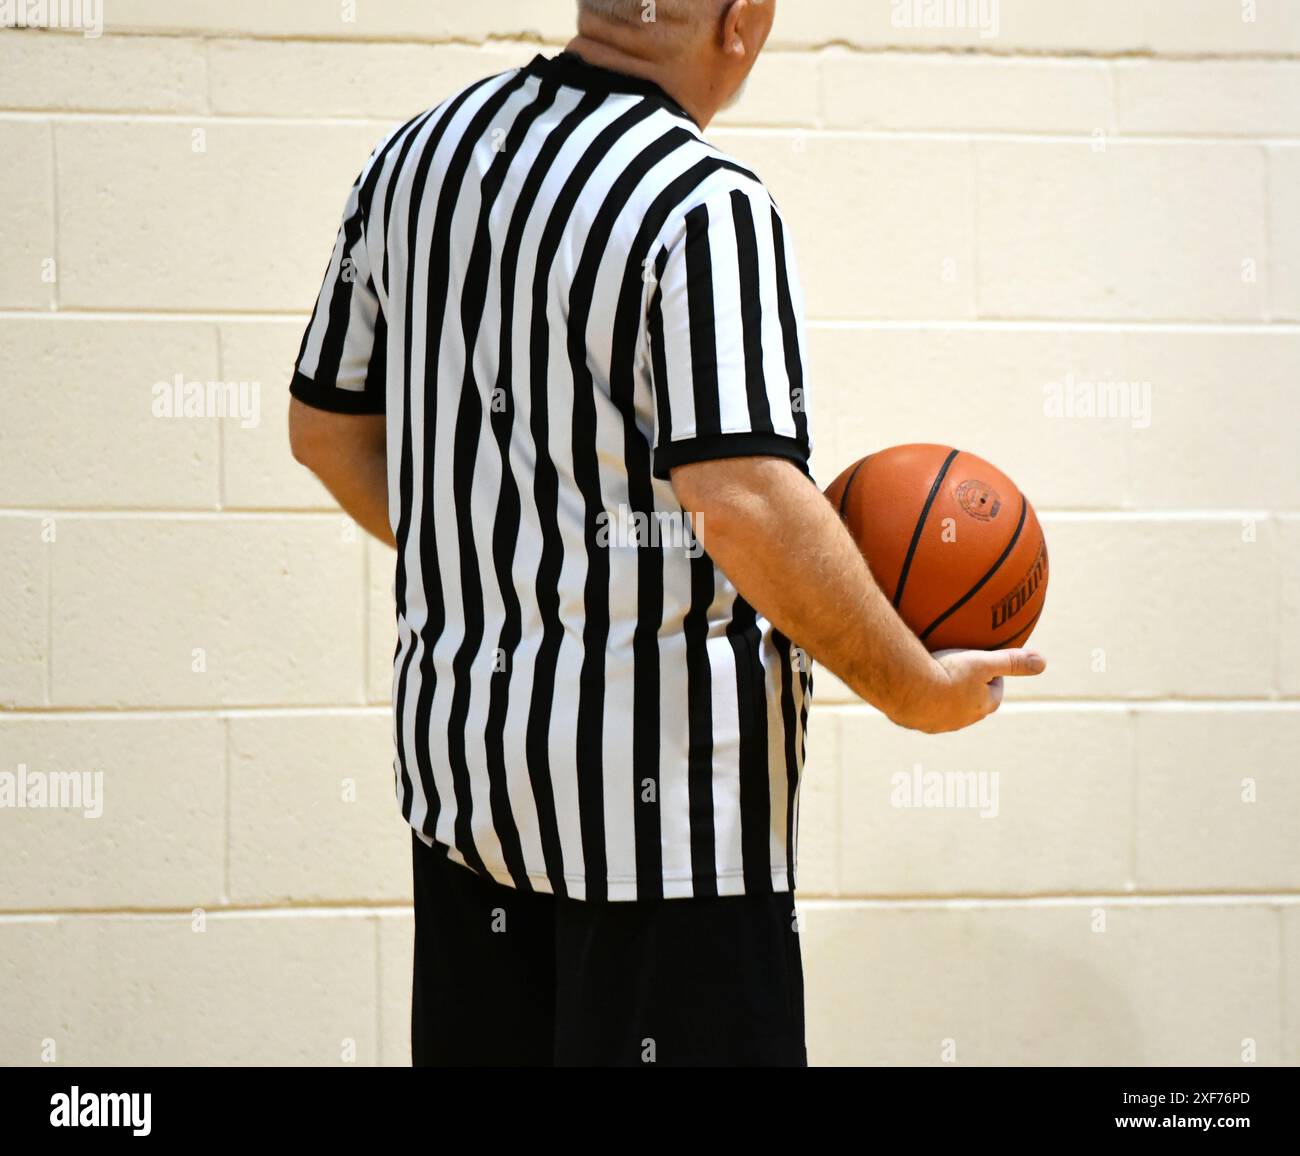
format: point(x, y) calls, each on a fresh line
point(952, 541)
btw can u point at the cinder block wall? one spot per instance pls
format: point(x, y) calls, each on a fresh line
point(986, 219)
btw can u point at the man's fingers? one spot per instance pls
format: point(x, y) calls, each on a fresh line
point(996, 690)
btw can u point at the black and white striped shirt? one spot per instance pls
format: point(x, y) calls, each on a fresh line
point(557, 291)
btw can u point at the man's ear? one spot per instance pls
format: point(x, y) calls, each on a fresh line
point(733, 43)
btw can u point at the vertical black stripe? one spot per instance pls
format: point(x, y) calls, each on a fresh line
point(659, 355)
point(704, 337)
point(399, 166)
point(440, 275)
point(790, 331)
point(586, 469)
point(807, 666)
point(786, 655)
point(405, 470)
point(354, 233)
point(322, 301)
point(755, 785)
point(377, 367)
point(546, 492)
point(646, 722)
point(505, 526)
point(398, 140)
point(699, 722)
point(751, 313)
point(316, 310)
point(646, 673)
point(469, 423)
point(340, 311)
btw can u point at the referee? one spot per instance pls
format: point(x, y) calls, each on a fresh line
point(555, 320)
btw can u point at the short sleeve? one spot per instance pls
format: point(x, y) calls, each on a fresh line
point(342, 362)
point(726, 332)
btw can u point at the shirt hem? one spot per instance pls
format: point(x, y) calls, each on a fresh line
point(623, 889)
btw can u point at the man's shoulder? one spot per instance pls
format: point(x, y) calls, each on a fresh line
point(484, 86)
point(404, 136)
point(714, 178)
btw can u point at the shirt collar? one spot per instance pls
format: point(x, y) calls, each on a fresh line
point(571, 70)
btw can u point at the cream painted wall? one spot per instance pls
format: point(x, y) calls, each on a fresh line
point(1090, 193)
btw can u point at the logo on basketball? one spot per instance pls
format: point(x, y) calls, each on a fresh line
point(979, 500)
point(1007, 607)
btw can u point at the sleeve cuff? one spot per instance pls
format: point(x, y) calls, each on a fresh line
point(332, 399)
point(733, 445)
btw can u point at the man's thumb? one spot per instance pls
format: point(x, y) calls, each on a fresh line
point(1016, 663)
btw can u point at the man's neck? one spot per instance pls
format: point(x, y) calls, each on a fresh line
point(625, 59)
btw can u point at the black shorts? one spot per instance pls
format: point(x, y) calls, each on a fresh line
point(507, 977)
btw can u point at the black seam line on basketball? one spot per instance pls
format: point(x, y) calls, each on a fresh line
point(1023, 630)
point(1020, 525)
point(844, 497)
point(920, 526)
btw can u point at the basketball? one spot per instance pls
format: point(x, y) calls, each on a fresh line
point(953, 543)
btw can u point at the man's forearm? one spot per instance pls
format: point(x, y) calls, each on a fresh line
point(780, 542)
point(348, 453)
point(360, 485)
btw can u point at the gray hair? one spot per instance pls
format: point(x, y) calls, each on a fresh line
point(647, 11)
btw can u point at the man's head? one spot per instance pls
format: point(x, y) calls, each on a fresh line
point(700, 51)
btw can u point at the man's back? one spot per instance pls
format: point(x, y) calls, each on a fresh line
point(555, 319)
point(557, 293)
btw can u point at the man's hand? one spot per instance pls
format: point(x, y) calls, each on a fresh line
point(973, 689)
point(349, 453)
point(784, 548)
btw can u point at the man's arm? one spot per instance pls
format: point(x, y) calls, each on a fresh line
point(349, 453)
point(783, 547)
